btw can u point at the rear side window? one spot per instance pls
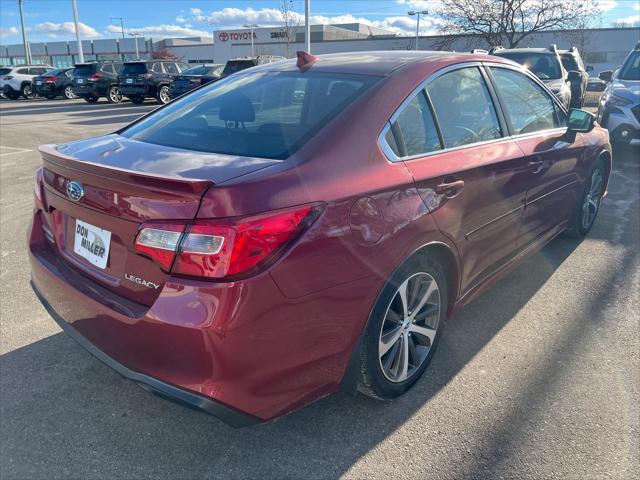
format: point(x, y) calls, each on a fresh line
point(5, 71)
point(156, 68)
point(464, 108)
point(268, 115)
point(133, 69)
point(417, 129)
point(83, 70)
point(23, 71)
point(528, 107)
point(107, 68)
point(171, 68)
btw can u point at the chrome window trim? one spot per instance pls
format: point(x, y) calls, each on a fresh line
point(391, 155)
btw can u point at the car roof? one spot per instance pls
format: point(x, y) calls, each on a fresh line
point(525, 50)
point(376, 63)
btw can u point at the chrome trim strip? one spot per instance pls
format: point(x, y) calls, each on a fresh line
point(490, 222)
point(566, 185)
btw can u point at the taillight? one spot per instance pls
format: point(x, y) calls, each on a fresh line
point(37, 191)
point(7, 77)
point(95, 76)
point(159, 241)
point(225, 249)
point(196, 80)
point(49, 79)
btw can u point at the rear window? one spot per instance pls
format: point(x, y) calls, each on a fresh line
point(544, 65)
point(5, 71)
point(198, 71)
point(133, 68)
point(55, 73)
point(234, 66)
point(268, 115)
point(631, 68)
point(82, 70)
point(569, 62)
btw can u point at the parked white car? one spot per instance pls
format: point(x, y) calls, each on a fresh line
point(16, 80)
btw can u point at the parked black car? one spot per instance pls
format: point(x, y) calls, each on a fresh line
point(97, 79)
point(142, 79)
point(572, 62)
point(193, 78)
point(236, 64)
point(54, 83)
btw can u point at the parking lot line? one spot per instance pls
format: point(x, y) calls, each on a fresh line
point(6, 154)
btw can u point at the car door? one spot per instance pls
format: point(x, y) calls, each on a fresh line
point(538, 125)
point(469, 172)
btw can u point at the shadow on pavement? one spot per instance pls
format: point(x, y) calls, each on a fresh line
point(65, 413)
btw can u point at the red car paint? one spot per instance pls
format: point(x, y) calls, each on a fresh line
point(279, 339)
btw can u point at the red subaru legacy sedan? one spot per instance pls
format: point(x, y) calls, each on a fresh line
point(301, 228)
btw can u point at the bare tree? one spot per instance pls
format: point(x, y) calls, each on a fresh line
point(291, 22)
point(509, 22)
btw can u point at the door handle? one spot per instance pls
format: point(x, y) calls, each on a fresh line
point(536, 166)
point(450, 189)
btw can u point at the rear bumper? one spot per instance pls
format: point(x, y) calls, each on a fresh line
point(165, 390)
point(134, 90)
point(176, 92)
point(86, 91)
point(239, 350)
point(44, 88)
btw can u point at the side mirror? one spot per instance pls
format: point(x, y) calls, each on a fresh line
point(580, 120)
point(607, 75)
point(574, 76)
point(589, 68)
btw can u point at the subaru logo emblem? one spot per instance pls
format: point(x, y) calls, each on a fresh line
point(75, 191)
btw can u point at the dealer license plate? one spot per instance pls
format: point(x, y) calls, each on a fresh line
point(92, 243)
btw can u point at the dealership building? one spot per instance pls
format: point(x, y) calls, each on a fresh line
point(602, 49)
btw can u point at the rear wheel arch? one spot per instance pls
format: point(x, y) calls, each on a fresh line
point(445, 256)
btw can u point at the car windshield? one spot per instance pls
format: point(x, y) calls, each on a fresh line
point(631, 68)
point(544, 65)
point(233, 66)
point(133, 68)
point(82, 70)
point(268, 115)
point(201, 70)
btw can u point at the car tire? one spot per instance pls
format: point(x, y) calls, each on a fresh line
point(91, 99)
point(12, 94)
point(137, 100)
point(586, 210)
point(26, 91)
point(163, 95)
point(114, 95)
point(68, 93)
point(389, 368)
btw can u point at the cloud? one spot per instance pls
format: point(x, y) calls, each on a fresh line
point(161, 31)
point(65, 29)
point(631, 21)
point(180, 19)
point(636, 6)
point(606, 5)
point(9, 32)
point(227, 18)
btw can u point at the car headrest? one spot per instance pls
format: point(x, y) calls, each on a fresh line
point(236, 107)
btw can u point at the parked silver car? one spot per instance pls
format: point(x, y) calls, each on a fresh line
point(619, 108)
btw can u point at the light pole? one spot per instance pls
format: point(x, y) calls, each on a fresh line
point(75, 22)
point(121, 23)
point(251, 26)
point(25, 42)
point(412, 13)
point(307, 27)
point(135, 36)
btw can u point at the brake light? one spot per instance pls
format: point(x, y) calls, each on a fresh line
point(37, 191)
point(49, 79)
point(95, 76)
point(225, 249)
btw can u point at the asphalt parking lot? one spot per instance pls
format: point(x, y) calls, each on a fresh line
point(538, 378)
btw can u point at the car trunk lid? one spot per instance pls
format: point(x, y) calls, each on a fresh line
point(126, 183)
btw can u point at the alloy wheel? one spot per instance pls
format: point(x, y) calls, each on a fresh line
point(114, 95)
point(68, 92)
point(592, 199)
point(409, 327)
point(164, 95)
point(27, 92)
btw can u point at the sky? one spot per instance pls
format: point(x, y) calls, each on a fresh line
point(52, 20)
